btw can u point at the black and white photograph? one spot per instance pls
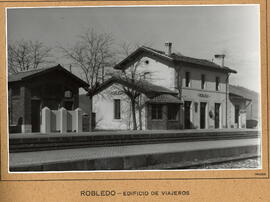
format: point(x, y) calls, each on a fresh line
point(134, 88)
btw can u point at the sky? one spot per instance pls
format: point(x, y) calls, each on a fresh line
point(195, 31)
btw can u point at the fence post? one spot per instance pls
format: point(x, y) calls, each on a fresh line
point(63, 120)
point(46, 120)
point(78, 120)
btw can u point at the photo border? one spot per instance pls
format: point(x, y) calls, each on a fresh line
point(264, 105)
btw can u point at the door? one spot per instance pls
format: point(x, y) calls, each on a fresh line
point(236, 115)
point(187, 114)
point(217, 115)
point(202, 114)
point(35, 115)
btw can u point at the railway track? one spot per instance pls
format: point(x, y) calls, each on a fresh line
point(216, 163)
point(43, 142)
point(230, 163)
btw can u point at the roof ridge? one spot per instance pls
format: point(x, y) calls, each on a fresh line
point(196, 58)
point(174, 57)
point(178, 55)
point(153, 49)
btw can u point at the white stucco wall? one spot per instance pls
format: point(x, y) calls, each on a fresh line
point(160, 74)
point(242, 114)
point(103, 106)
point(210, 78)
point(209, 95)
point(157, 73)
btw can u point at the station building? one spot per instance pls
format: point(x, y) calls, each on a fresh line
point(172, 92)
point(177, 92)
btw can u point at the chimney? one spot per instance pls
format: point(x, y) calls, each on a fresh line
point(169, 48)
point(221, 56)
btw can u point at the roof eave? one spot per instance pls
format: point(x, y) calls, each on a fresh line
point(230, 70)
point(239, 96)
point(227, 69)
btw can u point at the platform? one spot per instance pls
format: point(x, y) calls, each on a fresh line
point(58, 141)
point(132, 156)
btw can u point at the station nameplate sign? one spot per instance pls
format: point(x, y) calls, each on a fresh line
point(204, 95)
point(116, 92)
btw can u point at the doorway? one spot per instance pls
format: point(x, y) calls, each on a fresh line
point(217, 115)
point(35, 115)
point(187, 114)
point(202, 115)
point(236, 115)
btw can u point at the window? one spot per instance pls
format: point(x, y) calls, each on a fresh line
point(202, 81)
point(187, 79)
point(172, 111)
point(68, 94)
point(217, 83)
point(117, 109)
point(156, 111)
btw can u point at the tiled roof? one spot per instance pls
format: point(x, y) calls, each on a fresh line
point(158, 51)
point(197, 61)
point(142, 86)
point(165, 98)
point(21, 76)
point(146, 86)
point(242, 92)
point(172, 58)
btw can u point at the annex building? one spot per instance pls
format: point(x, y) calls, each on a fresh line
point(31, 91)
point(174, 92)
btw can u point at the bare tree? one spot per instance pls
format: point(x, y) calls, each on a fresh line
point(137, 77)
point(93, 54)
point(27, 55)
